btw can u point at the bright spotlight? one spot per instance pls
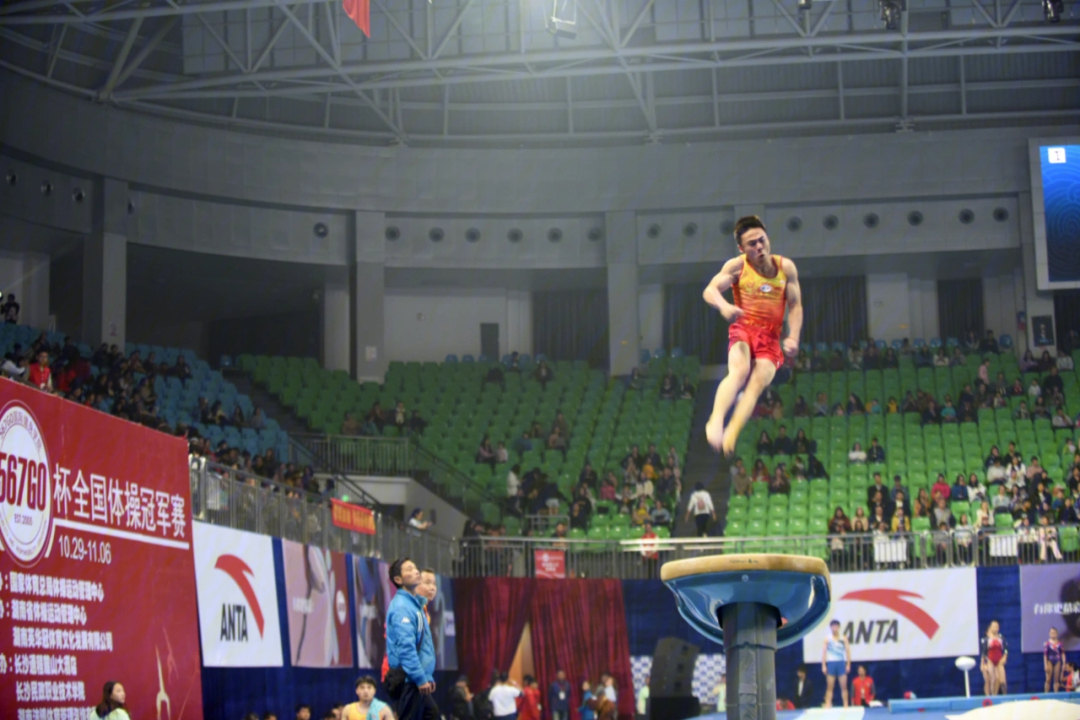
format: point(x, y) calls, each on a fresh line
point(563, 19)
point(805, 4)
point(1053, 10)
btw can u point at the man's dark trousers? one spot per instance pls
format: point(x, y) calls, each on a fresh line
point(414, 706)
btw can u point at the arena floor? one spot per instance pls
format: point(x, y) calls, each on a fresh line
point(1025, 710)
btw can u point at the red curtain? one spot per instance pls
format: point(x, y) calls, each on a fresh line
point(580, 626)
point(490, 615)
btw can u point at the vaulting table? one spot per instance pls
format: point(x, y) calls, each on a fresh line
point(751, 605)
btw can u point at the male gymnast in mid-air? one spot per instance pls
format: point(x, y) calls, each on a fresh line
point(764, 286)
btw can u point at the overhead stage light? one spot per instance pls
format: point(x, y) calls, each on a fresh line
point(805, 4)
point(891, 10)
point(1053, 10)
point(563, 19)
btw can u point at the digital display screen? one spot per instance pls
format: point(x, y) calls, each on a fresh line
point(1060, 167)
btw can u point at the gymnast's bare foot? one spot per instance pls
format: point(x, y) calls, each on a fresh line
point(714, 433)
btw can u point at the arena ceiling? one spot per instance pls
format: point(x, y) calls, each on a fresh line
point(487, 72)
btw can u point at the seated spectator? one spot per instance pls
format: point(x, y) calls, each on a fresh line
point(957, 358)
point(857, 456)
point(874, 407)
point(579, 515)
point(644, 488)
point(588, 476)
point(860, 523)
point(879, 517)
point(350, 426)
point(237, 419)
point(417, 522)
point(817, 362)
point(635, 381)
point(740, 479)
point(776, 410)
point(941, 359)
point(1001, 501)
point(975, 490)
point(607, 487)
point(941, 513)
point(760, 472)
point(838, 410)
point(780, 484)
point(1064, 362)
point(417, 423)
point(640, 514)
point(875, 454)
point(1039, 411)
point(375, 416)
point(837, 362)
point(513, 481)
point(923, 358)
point(815, 468)
point(984, 516)
point(948, 413)
point(1034, 390)
point(854, 405)
point(989, 343)
point(400, 417)
point(890, 361)
point(922, 505)
point(931, 416)
point(485, 453)
point(959, 490)
point(501, 454)
point(1060, 419)
point(634, 456)
point(543, 374)
point(523, 444)
point(910, 404)
point(800, 409)
point(821, 405)
point(1045, 362)
point(839, 522)
point(673, 463)
point(1052, 384)
point(180, 369)
point(941, 486)
point(783, 445)
point(765, 444)
point(40, 375)
point(688, 390)
point(877, 486)
point(804, 445)
point(660, 516)
point(900, 521)
point(668, 386)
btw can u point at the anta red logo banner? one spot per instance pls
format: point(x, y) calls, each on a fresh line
point(238, 605)
point(96, 575)
point(902, 615)
point(550, 564)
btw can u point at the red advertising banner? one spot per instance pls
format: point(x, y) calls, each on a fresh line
point(353, 517)
point(550, 564)
point(97, 581)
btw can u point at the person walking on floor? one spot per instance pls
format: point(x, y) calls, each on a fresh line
point(701, 506)
point(410, 681)
point(559, 697)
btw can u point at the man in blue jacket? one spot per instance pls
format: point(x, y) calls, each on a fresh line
point(409, 647)
point(559, 697)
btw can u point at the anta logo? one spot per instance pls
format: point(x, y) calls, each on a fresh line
point(896, 601)
point(766, 288)
point(234, 616)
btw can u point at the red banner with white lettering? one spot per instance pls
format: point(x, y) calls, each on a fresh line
point(550, 564)
point(352, 517)
point(97, 581)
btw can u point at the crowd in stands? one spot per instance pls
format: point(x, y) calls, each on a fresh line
point(107, 381)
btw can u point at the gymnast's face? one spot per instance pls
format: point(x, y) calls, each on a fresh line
point(755, 244)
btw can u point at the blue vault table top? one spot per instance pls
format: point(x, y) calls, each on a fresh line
point(799, 588)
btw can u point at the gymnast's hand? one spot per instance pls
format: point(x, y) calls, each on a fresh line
point(731, 312)
point(790, 346)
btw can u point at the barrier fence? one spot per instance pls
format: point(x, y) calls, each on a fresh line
point(240, 500)
point(641, 559)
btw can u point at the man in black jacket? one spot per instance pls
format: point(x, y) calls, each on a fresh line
point(803, 697)
point(461, 700)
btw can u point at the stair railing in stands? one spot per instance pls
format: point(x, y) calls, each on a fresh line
point(232, 498)
point(347, 455)
point(301, 453)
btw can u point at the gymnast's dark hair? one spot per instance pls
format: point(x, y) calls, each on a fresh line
point(743, 224)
